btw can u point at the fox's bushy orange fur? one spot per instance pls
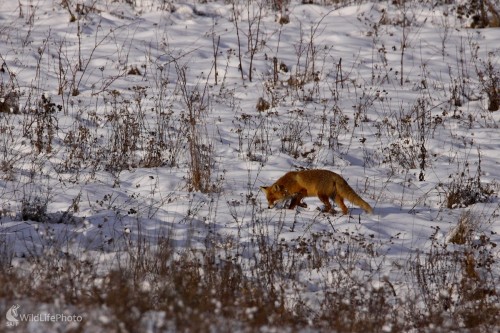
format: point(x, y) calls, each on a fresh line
point(324, 184)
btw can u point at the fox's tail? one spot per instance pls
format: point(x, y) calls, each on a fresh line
point(347, 192)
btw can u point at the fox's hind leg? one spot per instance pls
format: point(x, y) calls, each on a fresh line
point(340, 202)
point(326, 200)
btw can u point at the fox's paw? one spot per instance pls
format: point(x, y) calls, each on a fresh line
point(327, 211)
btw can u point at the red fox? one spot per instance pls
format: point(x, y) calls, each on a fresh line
point(324, 184)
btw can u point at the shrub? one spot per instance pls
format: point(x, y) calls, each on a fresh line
point(465, 190)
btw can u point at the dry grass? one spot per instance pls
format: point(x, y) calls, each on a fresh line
point(202, 291)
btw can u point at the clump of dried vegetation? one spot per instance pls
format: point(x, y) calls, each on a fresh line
point(209, 289)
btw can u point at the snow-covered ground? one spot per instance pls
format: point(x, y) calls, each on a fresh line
point(131, 122)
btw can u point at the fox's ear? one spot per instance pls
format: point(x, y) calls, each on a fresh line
point(277, 188)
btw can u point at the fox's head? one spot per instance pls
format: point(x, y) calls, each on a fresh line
point(274, 194)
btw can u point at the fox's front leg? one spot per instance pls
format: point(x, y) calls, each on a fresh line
point(297, 200)
point(302, 204)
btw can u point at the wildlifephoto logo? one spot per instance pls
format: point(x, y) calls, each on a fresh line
point(14, 317)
